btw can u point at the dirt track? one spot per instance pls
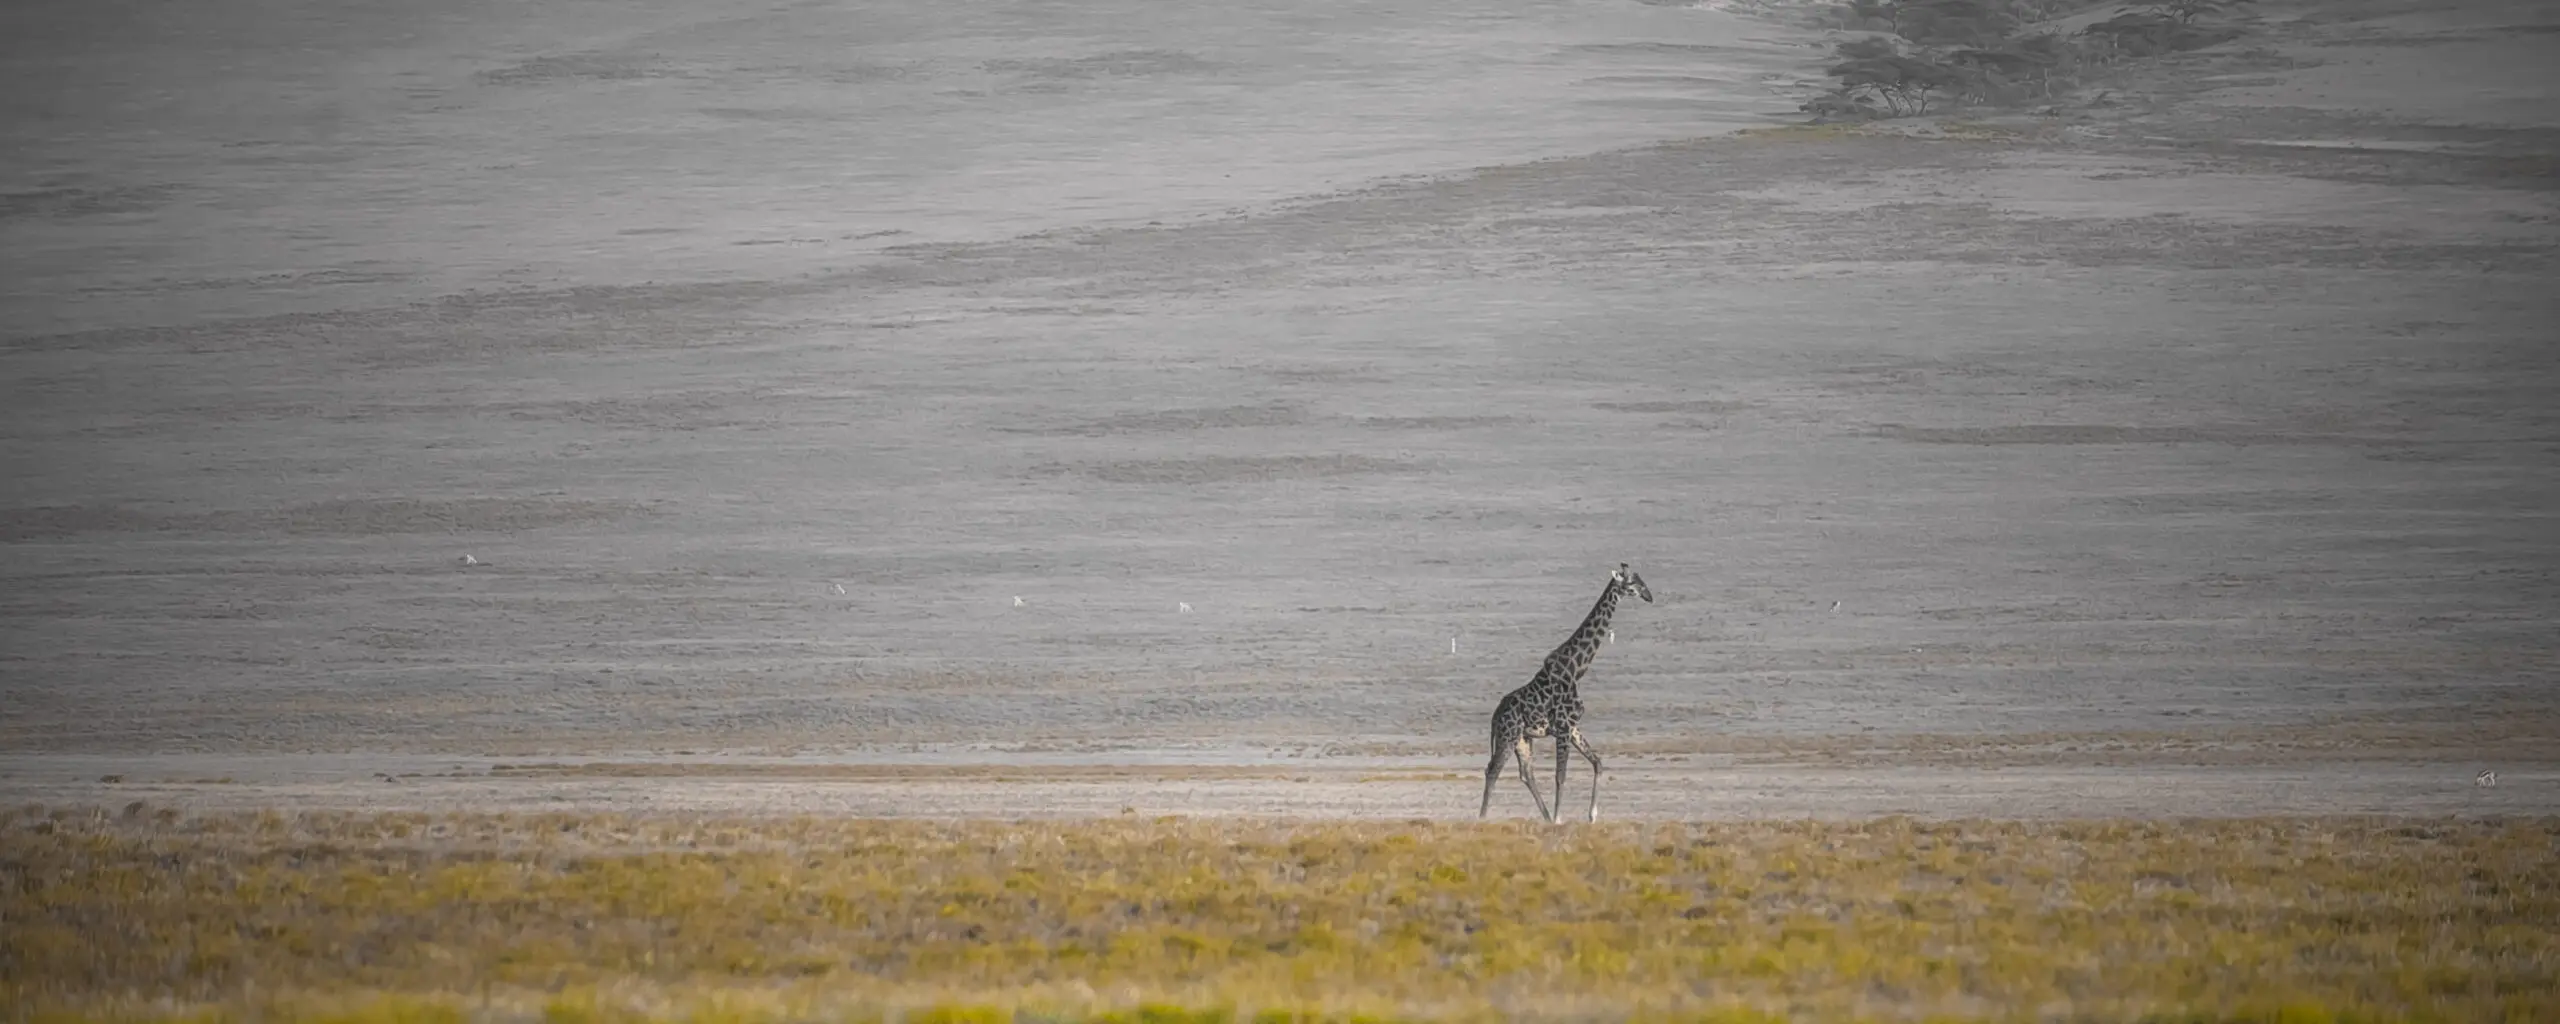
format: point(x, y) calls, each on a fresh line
point(2222, 405)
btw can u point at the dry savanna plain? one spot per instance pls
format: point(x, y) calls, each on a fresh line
point(2106, 549)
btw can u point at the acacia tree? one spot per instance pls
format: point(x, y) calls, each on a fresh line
point(1874, 68)
point(2023, 61)
point(2185, 12)
point(1969, 48)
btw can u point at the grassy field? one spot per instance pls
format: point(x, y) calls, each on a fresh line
point(151, 914)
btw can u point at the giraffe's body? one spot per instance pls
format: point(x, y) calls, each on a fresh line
point(1549, 706)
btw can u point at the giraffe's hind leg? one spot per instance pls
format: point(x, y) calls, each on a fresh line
point(1529, 777)
point(1506, 740)
point(1575, 740)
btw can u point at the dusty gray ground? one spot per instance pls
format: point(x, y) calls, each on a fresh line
point(2186, 452)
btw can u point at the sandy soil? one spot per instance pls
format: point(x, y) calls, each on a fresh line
point(1650, 788)
point(2209, 413)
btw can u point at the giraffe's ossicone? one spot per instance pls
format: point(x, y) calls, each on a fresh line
point(1547, 706)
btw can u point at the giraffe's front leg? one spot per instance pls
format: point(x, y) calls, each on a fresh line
point(1575, 739)
point(1564, 750)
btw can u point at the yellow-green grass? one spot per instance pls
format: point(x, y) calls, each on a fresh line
point(513, 917)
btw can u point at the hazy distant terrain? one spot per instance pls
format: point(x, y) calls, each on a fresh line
point(2215, 418)
point(178, 164)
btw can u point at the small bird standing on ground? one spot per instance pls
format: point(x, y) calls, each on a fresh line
point(2486, 779)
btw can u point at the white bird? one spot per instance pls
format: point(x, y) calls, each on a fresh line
point(837, 587)
point(1182, 606)
point(468, 560)
point(1609, 637)
point(1835, 606)
point(1453, 645)
point(2485, 779)
point(1017, 602)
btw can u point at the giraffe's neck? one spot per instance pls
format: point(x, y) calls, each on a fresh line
point(1573, 657)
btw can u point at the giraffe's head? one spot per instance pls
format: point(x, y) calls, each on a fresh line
point(1629, 583)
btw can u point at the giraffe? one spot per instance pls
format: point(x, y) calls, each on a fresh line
point(1547, 705)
